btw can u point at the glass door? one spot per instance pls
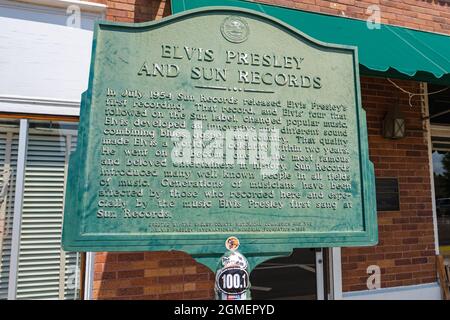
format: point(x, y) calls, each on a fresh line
point(296, 277)
point(441, 175)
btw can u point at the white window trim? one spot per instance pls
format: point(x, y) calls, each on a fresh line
point(42, 105)
point(37, 105)
point(89, 276)
point(18, 201)
point(429, 130)
point(335, 273)
point(320, 283)
point(86, 6)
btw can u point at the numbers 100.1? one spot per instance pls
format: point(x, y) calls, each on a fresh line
point(234, 281)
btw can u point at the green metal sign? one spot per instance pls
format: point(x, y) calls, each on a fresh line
point(214, 123)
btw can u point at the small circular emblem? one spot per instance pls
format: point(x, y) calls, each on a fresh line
point(235, 29)
point(232, 243)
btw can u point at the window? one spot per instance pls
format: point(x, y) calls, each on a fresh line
point(44, 270)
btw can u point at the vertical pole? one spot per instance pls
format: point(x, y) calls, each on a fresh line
point(427, 124)
point(335, 275)
point(82, 263)
point(62, 253)
point(320, 288)
point(18, 202)
point(89, 278)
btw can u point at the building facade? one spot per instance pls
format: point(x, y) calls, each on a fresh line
point(39, 106)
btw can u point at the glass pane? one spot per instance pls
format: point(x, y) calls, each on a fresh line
point(441, 169)
point(287, 278)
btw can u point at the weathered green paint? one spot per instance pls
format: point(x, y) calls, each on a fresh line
point(122, 57)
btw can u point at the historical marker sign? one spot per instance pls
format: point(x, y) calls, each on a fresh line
point(214, 123)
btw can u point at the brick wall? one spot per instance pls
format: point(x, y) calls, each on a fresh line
point(135, 10)
point(405, 252)
point(165, 275)
point(429, 15)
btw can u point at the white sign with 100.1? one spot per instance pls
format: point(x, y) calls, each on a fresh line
point(233, 280)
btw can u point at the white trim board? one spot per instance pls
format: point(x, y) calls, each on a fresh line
point(335, 273)
point(429, 291)
point(83, 5)
point(28, 105)
point(40, 10)
point(89, 276)
point(48, 62)
point(428, 129)
point(18, 205)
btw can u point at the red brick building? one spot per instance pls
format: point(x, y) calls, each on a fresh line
point(409, 238)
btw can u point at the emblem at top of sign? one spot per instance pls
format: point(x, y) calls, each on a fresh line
point(235, 29)
point(232, 243)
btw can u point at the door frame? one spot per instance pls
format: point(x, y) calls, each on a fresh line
point(443, 132)
point(432, 131)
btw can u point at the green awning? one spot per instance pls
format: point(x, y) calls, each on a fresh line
point(389, 51)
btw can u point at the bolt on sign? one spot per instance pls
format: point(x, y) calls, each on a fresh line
point(219, 122)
